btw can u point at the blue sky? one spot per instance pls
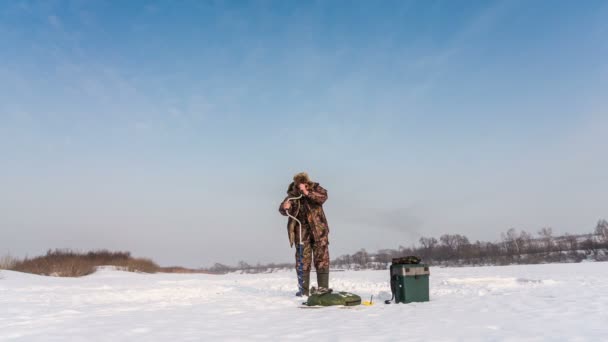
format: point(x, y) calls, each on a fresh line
point(172, 129)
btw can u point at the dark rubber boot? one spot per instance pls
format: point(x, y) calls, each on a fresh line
point(306, 284)
point(323, 279)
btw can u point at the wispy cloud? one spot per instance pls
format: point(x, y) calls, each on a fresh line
point(55, 22)
point(437, 63)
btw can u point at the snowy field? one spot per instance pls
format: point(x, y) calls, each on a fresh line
point(558, 302)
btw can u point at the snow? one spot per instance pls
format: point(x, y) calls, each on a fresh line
point(555, 302)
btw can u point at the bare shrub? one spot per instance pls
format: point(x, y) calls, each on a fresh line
point(7, 262)
point(141, 265)
point(68, 263)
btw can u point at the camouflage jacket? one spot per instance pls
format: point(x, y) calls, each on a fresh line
point(309, 210)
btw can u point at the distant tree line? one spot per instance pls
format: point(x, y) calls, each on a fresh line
point(244, 267)
point(514, 247)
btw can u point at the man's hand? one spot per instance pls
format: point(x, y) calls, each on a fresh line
point(303, 189)
point(286, 205)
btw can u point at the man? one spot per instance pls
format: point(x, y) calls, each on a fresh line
point(315, 231)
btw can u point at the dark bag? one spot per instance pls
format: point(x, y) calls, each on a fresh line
point(333, 298)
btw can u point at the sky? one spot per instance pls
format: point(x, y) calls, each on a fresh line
point(172, 130)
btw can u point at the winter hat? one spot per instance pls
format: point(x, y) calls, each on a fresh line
point(301, 178)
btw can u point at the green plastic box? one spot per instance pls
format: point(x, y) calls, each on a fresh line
point(410, 282)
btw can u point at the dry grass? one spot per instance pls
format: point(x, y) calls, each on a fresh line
point(68, 263)
point(7, 262)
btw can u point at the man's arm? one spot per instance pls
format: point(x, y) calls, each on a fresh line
point(282, 209)
point(317, 195)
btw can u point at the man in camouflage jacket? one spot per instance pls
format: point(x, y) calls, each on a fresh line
point(315, 230)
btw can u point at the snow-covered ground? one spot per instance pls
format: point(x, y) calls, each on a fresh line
point(557, 302)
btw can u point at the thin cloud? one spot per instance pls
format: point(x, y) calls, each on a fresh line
point(55, 22)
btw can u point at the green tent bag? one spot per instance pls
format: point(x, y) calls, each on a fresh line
point(333, 298)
